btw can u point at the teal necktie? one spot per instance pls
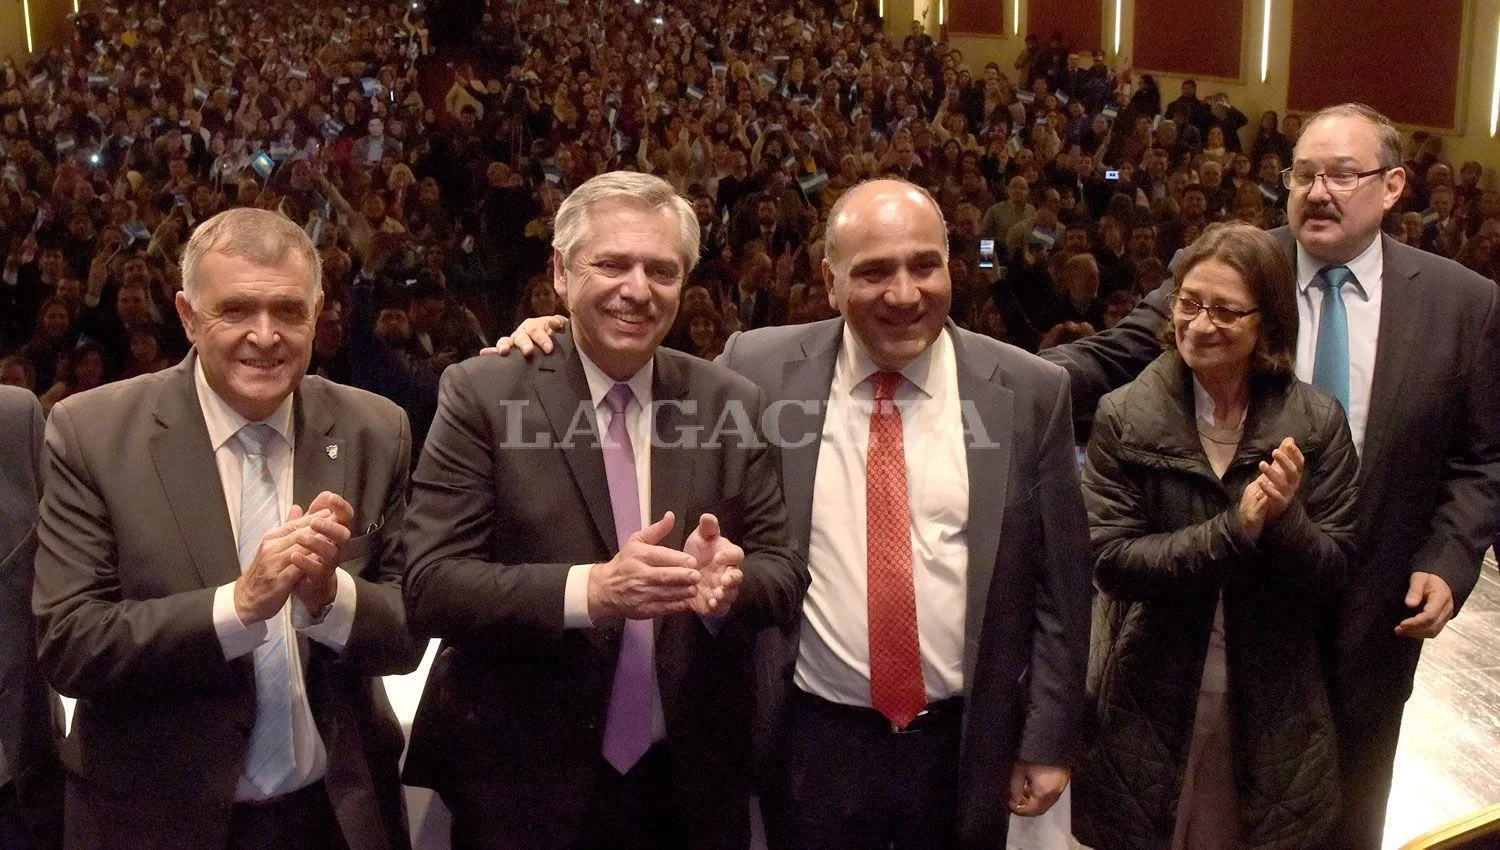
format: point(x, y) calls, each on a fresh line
point(270, 757)
point(1331, 360)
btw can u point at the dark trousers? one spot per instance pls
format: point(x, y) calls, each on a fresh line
point(633, 811)
point(301, 820)
point(12, 825)
point(854, 784)
point(1367, 735)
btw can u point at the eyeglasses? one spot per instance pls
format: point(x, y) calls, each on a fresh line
point(1334, 181)
point(1222, 317)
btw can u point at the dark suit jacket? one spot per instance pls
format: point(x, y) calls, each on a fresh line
point(509, 494)
point(30, 716)
point(1429, 476)
point(1028, 581)
point(135, 537)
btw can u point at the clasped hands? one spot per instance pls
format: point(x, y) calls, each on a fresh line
point(296, 559)
point(646, 580)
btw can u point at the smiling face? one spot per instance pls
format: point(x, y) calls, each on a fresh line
point(890, 275)
point(252, 327)
point(1211, 351)
point(622, 284)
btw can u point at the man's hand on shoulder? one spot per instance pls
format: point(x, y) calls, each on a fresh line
point(529, 336)
point(644, 580)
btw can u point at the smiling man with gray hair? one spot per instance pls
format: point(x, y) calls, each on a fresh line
point(218, 576)
point(597, 553)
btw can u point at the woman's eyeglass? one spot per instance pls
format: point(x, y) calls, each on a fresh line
point(1335, 181)
point(1221, 316)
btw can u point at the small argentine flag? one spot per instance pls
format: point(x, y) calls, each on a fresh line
point(200, 92)
point(813, 182)
point(1155, 122)
point(553, 176)
point(1110, 113)
point(1062, 98)
point(332, 126)
point(1268, 193)
point(694, 93)
point(226, 61)
point(1026, 96)
point(780, 58)
point(1043, 236)
point(65, 145)
point(39, 80)
point(297, 73)
point(314, 229)
point(1429, 217)
point(753, 131)
point(125, 141)
point(370, 86)
point(720, 69)
point(788, 161)
point(96, 80)
point(611, 115)
point(136, 231)
point(281, 151)
point(263, 165)
point(1014, 145)
point(619, 142)
point(769, 78)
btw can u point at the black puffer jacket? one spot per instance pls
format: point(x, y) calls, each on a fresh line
point(1167, 540)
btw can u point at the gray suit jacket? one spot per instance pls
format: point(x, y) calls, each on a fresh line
point(1028, 579)
point(29, 714)
point(135, 537)
point(1429, 475)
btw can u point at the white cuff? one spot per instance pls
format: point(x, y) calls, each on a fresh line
point(235, 638)
point(333, 632)
point(576, 598)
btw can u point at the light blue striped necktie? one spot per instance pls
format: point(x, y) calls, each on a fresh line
point(270, 757)
point(1331, 359)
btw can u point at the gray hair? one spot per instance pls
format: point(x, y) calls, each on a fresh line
point(830, 240)
point(259, 236)
point(571, 226)
point(1387, 136)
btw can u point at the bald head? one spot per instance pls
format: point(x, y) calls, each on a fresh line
point(870, 192)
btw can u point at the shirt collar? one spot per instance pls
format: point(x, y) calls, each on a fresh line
point(600, 384)
point(856, 366)
point(1367, 269)
point(224, 421)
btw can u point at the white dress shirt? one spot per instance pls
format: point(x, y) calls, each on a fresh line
point(238, 639)
point(834, 659)
point(638, 427)
point(1362, 304)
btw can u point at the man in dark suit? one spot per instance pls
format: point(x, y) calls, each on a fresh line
point(595, 688)
point(30, 775)
point(919, 695)
point(1424, 408)
point(218, 579)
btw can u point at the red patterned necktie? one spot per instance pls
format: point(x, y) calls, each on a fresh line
point(896, 688)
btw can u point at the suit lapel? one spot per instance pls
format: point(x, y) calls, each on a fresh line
point(1400, 322)
point(988, 411)
point(184, 460)
point(563, 392)
point(320, 458)
point(672, 472)
point(800, 426)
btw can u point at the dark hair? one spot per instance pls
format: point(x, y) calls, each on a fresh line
point(1267, 273)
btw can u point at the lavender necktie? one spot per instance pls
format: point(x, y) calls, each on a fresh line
point(627, 728)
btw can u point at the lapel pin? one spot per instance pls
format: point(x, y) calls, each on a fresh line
point(333, 451)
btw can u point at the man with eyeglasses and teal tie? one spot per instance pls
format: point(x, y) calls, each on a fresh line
point(1407, 341)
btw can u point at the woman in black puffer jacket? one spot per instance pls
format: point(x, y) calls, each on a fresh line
point(1221, 504)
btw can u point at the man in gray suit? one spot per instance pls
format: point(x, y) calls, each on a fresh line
point(218, 578)
point(934, 683)
point(30, 777)
point(1420, 378)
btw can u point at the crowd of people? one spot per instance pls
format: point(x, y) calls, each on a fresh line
point(1067, 186)
point(1042, 205)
